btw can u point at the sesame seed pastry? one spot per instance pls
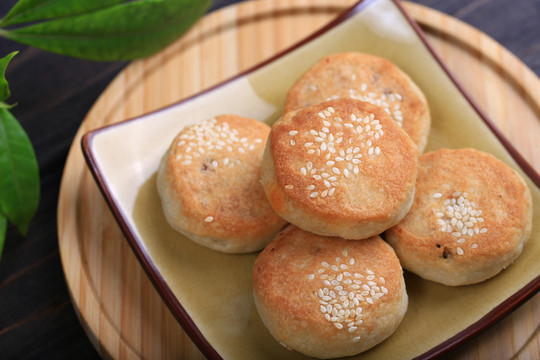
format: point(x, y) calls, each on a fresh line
point(471, 216)
point(208, 182)
point(368, 78)
point(340, 168)
point(329, 297)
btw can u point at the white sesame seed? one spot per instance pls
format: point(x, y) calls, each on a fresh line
point(209, 219)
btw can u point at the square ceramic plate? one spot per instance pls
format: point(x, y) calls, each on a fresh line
point(209, 292)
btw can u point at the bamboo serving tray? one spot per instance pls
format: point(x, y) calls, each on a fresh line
point(117, 304)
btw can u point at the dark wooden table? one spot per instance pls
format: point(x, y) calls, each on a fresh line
point(54, 93)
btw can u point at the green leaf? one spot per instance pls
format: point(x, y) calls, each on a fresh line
point(3, 229)
point(19, 173)
point(39, 10)
point(125, 31)
point(4, 87)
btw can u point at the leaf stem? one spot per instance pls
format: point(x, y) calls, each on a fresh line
point(4, 33)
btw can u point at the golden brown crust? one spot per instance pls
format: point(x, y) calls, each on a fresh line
point(368, 78)
point(209, 184)
point(492, 211)
point(329, 174)
point(300, 278)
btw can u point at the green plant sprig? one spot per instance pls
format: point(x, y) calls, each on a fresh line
point(19, 173)
point(99, 30)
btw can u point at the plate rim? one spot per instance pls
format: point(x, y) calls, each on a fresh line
point(176, 308)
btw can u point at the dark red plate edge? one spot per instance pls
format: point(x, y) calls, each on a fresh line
point(530, 289)
point(523, 164)
point(166, 293)
point(149, 267)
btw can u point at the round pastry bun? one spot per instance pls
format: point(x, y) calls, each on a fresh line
point(471, 217)
point(328, 297)
point(340, 168)
point(367, 78)
point(208, 182)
